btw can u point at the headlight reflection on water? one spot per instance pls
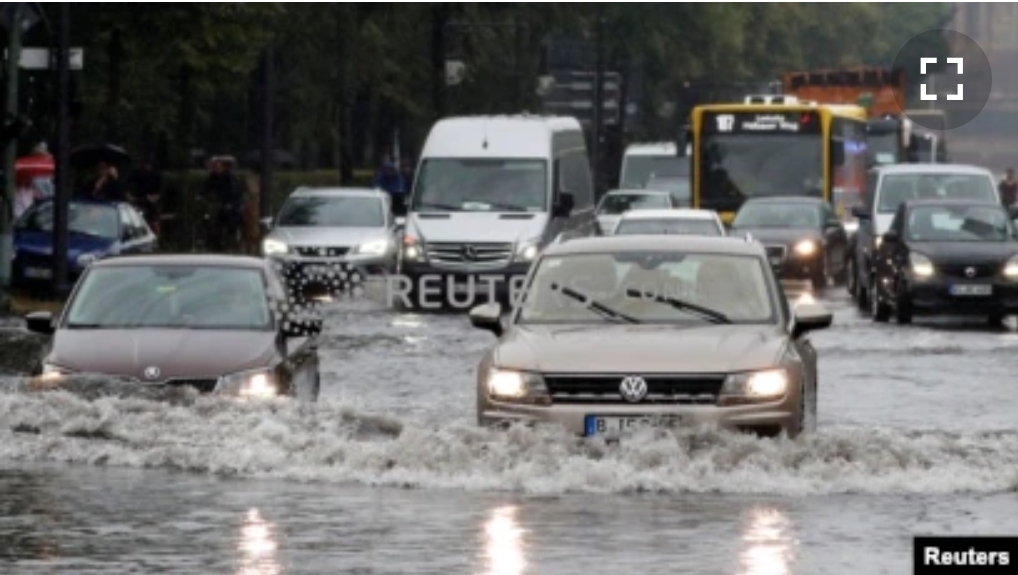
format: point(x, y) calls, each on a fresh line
point(503, 543)
point(768, 544)
point(257, 546)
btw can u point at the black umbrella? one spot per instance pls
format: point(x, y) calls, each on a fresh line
point(87, 156)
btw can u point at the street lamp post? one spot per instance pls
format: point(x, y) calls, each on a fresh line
point(11, 151)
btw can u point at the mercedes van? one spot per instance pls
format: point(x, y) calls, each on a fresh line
point(489, 194)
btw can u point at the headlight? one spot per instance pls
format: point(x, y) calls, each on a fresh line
point(375, 248)
point(1011, 268)
point(921, 265)
point(877, 240)
point(806, 248)
point(771, 383)
point(852, 226)
point(84, 260)
point(51, 372)
point(412, 248)
point(516, 385)
point(527, 251)
point(258, 384)
point(271, 247)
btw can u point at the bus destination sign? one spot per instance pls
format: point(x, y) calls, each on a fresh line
point(762, 123)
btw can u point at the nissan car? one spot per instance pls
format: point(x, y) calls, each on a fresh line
point(216, 323)
point(621, 332)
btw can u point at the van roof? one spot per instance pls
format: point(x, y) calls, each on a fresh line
point(522, 136)
point(651, 149)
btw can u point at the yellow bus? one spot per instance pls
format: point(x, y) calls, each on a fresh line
point(789, 148)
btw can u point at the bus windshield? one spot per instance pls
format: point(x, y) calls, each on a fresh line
point(735, 167)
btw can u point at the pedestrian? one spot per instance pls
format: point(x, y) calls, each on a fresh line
point(224, 189)
point(389, 179)
point(406, 172)
point(25, 195)
point(1008, 188)
point(146, 193)
point(107, 184)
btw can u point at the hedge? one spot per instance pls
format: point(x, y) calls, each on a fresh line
point(183, 207)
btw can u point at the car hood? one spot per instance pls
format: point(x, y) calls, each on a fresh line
point(966, 252)
point(41, 244)
point(178, 353)
point(778, 235)
point(325, 236)
point(640, 348)
point(477, 226)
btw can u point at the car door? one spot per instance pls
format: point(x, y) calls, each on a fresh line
point(836, 239)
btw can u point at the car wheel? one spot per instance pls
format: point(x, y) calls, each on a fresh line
point(903, 308)
point(820, 276)
point(879, 310)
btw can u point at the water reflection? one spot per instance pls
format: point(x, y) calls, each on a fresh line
point(768, 543)
point(503, 543)
point(257, 546)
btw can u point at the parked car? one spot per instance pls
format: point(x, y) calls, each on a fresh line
point(617, 202)
point(97, 230)
point(212, 322)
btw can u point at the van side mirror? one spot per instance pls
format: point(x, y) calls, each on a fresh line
point(563, 206)
point(40, 322)
point(860, 212)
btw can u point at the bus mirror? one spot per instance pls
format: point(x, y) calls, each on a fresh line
point(838, 153)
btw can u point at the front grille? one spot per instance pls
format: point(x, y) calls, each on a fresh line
point(661, 388)
point(202, 385)
point(982, 271)
point(321, 251)
point(775, 252)
point(470, 253)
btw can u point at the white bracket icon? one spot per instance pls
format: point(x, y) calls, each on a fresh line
point(959, 62)
point(922, 70)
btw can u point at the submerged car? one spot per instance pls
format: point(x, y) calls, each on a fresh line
point(947, 257)
point(625, 331)
point(804, 237)
point(319, 230)
point(679, 221)
point(96, 229)
point(617, 202)
point(212, 322)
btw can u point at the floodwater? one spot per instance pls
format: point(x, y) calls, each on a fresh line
point(389, 474)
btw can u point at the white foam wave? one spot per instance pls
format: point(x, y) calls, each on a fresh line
point(332, 443)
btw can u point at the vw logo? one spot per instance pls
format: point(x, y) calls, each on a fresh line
point(970, 272)
point(470, 252)
point(633, 389)
point(151, 372)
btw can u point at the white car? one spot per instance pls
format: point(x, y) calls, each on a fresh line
point(617, 202)
point(670, 222)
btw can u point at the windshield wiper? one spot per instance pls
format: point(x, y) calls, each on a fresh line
point(708, 314)
point(594, 305)
point(505, 207)
point(443, 207)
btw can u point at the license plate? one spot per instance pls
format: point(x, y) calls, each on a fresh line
point(972, 290)
point(38, 273)
point(614, 425)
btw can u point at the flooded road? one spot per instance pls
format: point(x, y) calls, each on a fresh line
point(389, 474)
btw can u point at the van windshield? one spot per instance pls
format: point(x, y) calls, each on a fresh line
point(481, 185)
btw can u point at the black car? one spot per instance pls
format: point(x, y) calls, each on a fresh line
point(947, 256)
point(804, 238)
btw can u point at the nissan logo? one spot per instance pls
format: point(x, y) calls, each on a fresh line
point(151, 372)
point(470, 252)
point(633, 389)
point(970, 272)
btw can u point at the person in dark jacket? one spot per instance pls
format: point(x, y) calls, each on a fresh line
point(224, 189)
point(107, 185)
point(1008, 188)
point(389, 179)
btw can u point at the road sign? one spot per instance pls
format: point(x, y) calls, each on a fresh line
point(39, 58)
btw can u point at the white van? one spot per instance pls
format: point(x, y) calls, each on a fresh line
point(646, 161)
point(489, 194)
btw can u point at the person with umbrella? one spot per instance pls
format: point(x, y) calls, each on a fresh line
point(226, 189)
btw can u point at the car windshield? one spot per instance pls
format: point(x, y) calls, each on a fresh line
point(99, 220)
point(333, 212)
point(732, 285)
point(668, 226)
point(482, 185)
point(615, 204)
point(171, 296)
point(639, 169)
point(896, 189)
point(958, 224)
point(777, 215)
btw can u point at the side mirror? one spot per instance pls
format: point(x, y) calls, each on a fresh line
point(890, 237)
point(488, 317)
point(860, 212)
point(564, 206)
point(40, 322)
point(266, 224)
point(838, 154)
point(810, 317)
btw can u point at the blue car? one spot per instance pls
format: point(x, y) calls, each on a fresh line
point(98, 229)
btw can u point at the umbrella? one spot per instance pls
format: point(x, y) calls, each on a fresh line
point(87, 156)
point(35, 165)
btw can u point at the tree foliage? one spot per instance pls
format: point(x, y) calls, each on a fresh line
point(169, 78)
